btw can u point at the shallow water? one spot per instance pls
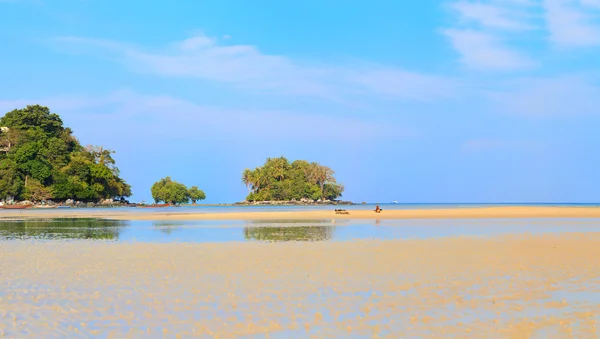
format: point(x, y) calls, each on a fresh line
point(106, 278)
point(201, 231)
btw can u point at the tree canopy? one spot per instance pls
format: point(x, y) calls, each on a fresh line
point(173, 192)
point(278, 179)
point(40, 159)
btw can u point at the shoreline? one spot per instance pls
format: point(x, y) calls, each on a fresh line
point(503, 212)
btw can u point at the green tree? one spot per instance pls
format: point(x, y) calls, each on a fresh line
point(170, 191)
point(35, 191)
point(11, 184)
point(196, 194)
point(34, 116)
point(278, 179)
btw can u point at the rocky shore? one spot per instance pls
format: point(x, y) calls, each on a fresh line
point(115, 203)
point(71, 203)
point(301, 202)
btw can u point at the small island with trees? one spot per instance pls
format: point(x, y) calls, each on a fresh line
point(172, 192)
point(279, 181)
point(41, 160)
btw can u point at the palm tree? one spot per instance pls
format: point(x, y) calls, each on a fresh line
point(247, 179)
point(324, 175)
point(256, 177)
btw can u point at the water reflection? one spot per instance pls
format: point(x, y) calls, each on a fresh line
point(166, 227)
point(91, 229)
point(289, 233)
point(202, 231)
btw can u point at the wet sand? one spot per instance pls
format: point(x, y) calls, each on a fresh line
point(545, 286)
point(182, 214)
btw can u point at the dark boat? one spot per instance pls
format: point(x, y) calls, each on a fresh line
point(15, 207)
point(154, 205)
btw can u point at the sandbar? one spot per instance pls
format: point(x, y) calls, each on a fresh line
point(185, 214)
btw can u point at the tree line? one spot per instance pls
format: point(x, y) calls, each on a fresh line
point(40, 159)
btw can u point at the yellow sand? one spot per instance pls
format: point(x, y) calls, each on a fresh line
point(505, 287)
point(450, 213)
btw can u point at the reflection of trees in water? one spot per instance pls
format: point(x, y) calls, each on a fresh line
point(92, 229)
point(289, 233)
point(165, 227)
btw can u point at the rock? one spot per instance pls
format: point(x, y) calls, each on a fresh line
point(106, 202)
point(70, 202)
point(25, 202)
point(90, 204)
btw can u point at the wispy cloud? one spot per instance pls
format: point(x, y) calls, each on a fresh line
point(245, 66)
point(485, 51)
point(489, 145)
point(591, 3)
point(407, 85)
point(482, 32)
point(567, 95)
point(508, 16)
point(573, 23)
point(157, 116)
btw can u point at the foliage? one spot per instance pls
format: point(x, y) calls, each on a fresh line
point(41, 159)
point(278, 179)
point(196, 194)
point(173, 192)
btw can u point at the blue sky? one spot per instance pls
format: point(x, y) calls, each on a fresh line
point(414, 101)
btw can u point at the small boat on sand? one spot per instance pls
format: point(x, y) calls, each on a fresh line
point(15, 207)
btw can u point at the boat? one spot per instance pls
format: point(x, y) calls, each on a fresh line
point(394, 202)
point(15, 207)
point(154, 205)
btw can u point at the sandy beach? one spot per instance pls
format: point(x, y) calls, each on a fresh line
point(182, 214)
point(505, 287)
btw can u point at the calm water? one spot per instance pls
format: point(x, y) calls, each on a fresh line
point(326, 230)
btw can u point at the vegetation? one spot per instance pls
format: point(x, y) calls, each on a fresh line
point(278, 179)
point(40, 159)
point(196, 194)
point(172, 192)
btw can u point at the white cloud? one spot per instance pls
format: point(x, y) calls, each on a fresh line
point(408, 85)
point(568, 95)
point(480, 50)
point(572, 25)
point(246, 67)
point(591, 3)
point(159, 116)
point(482, 32)
point(493, 15)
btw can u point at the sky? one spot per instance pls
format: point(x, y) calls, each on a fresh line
point(410, 101)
